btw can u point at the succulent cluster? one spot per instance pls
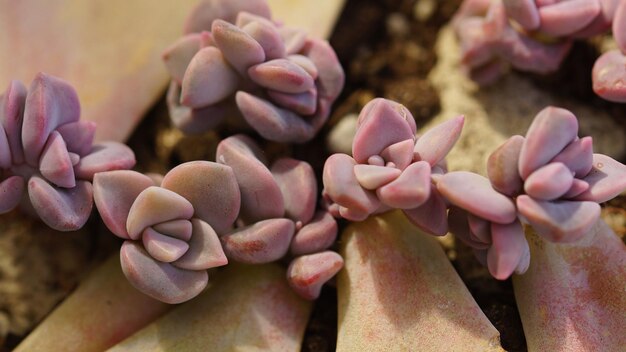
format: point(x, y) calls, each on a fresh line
point(536, 35)
point(550, 180)
point(237, 62)
point(47, 155)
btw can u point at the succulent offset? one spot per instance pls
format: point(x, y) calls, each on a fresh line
point(536, 36)
point(47, 155)
point(238, 63)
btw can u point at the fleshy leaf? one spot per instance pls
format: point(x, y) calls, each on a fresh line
point(372, 176)
point(315, 236)
point(502, 167)
point(161, 247)
point(571, 298)
point(459, 227)
point(50, 103)
point(105, 156)
point(78, 136)
point(549, 182)
point(305, 63)
point(11, 118)
point(205, 250)
point(473, 193)
point(331, 77)
point(212, 190)
point(251, 307)
point(410, 190)
point(559, 221)
point(400, 154)
point(551, 131)
point(180, 229)
point(578, 187)
point(11, 190)
point(298, 186)
point(261, 197)
point(155, 205)
point(480, 229)
point(5, 150)
point(507, 249)
point(619, 27)
point(607, 179)
point(608, 76)
point(524, 12)
point(566, 17)
point(262, 242)
point(55, 163)
point(195, 121)
point(178, 55)
point(158, 280)
point(431, 216)
point(577, 156)
point(208, 79)
point(281, 75)
point(422, 279)
point(239, 48)
point(308, 273)
point(114, 193)
point(301, 103)
point(266, 34)
point(61, 209)
point(435, 144)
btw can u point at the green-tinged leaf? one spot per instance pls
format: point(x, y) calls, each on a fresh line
point(573, 296)
point(247, 308)
point(399, 292)
point(104, 310)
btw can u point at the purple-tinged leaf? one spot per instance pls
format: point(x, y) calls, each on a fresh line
point(261, 197)
point(155, 205)
point(578, 187)
point(372, 176)
point(262, 242)
point(305, 63)
point(437, 142)
point(602, 22)
point(105, 156)
point(507, 249)
point(307, 274)
point(409, 190)
point(388, 252)
point(11, 191)
point(571, 298)
point(474, 193)
point(161, 247)
point(488, 73)
point(50, 103)
point(301, 103)
point(244, 18)
point(353, 214)
point(559, 221)
point(178, 55)
point(551, 131)
point(549, 182)
point(61, 209)
point(606, 180)
point(207, 11)
point(161, 281)
point(399, 154)
point(431, 216)
point(619, 27)
point(577, 156)
point(297, 183)
point(528, 54)
point(294, 39)
point(5, 151)
point(459, 227)
point(208, 79)
point(502, 167)
point(281, 75)
point(523, 12)
point(608, 76)
point(239, 48)
point(74, 158)
point(196, 121)
point(78, 136)
point(342, 186)
point(317, 235)
point(381, 123)
point(480, 229)
point(212, 190)
point(205, 249)
point(266, 34)
point(11, 117)
point(114, 193)
point(331, 76)
point(567, 17)
point(180, 229)
point(55, 164)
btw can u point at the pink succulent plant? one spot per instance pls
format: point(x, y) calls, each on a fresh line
point(238, 62)
point(550, 179)
point(391, 168)
point(278, 215)
point(536, 35)
point(171, 230)
point(47, 155)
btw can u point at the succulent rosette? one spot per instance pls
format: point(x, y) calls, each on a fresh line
point(549, 179)
point(281, 81)
point(47, 155)
point(278, 217)
point(391, 168)
point(171, 230)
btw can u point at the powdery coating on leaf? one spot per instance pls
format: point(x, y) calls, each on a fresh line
point(298, 186)
point(502, 167)
point(156, 205)
point(263, 242)
point(316, 235)
point(609, 78)
point(308, 273)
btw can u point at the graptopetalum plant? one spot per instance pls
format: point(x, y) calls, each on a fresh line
point(536, 35)
point(237, 62)
point(47, 155)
